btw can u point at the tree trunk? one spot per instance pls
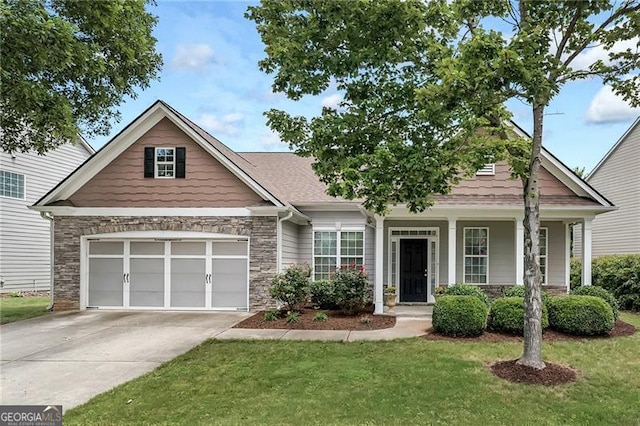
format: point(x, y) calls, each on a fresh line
point(532, 353)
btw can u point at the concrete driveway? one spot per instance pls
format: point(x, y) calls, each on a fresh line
point(69, 358)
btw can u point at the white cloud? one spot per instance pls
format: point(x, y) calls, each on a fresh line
point(593, 54)
point(193, 57)
point(270, 141)
point(607, 107)
point(227, 124)
point(332, 101)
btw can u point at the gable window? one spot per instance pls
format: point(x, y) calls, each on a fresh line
point(161, 162)
point(544, 239)
point(489, 169)
point(12, 185)
point(333, 249)
point(165, 162)
point(476, 255)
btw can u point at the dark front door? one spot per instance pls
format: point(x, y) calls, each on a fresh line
point(413, 270)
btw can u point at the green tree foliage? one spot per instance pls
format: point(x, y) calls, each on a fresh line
point(66, 64)
point(420, 78)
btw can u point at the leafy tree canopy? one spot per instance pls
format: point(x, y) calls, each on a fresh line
point(420, 78)
point(66, 64)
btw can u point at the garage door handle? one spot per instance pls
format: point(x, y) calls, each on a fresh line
point(207, 278)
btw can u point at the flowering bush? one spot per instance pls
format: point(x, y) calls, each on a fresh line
point(350, 289)
point(291, 288)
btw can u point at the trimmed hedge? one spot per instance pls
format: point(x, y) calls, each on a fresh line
point(580, 315)
point(620, 274)
point(507, 315)
point(468, 290)
point(459, 316)
point(601, 293)
point(518, 291)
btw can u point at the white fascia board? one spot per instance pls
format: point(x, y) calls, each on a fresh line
point(128, 137)
point(335, 206)
point(86, 145)
point(572, 181)
point(480, 212)
point(144, 211)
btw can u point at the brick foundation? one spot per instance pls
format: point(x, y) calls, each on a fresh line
point(68, 230)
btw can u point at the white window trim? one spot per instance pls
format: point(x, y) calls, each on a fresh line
point(338, 240)
point(464, 255)
point(156, 162)
point(24, 187)
point(396, 238)
point(546, 256)
point(489, 169)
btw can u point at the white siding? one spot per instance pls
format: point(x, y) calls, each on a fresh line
point(24, 234)
point(289, 244)
point(618, 179)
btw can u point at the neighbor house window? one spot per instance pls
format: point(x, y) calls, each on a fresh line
point(11, 185)
point(165, 162)
point(544, 238)
point(476, 255)
point(332, 249)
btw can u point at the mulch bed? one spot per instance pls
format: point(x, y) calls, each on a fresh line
point(337, 321)
point(552, 374)
point(621, 329)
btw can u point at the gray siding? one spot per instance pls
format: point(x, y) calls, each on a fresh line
point(502, 259)
point(370, 253)
point(556, 256)
point(618, 179)
point(289, 244)
point(24, 235)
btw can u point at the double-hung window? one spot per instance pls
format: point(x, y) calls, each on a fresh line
point(544, 241)
point(476, 255)
point(11, 185)
point(333, 249)
point(165, 162)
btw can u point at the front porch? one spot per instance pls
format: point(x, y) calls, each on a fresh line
point(417, 253)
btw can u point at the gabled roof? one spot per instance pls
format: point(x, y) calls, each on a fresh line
point(615, 146)
point(138, 127)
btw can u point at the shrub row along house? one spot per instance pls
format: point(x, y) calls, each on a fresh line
point(167, 217)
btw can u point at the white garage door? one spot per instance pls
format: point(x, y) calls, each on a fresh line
point(141, 274)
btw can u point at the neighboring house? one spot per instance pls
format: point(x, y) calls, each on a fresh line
point(166, 217)
point(25, 237)
point(617, 177)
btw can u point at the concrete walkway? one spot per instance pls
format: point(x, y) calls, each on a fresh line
point(404, 328)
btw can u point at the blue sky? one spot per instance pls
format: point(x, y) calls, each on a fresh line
point(211, 75)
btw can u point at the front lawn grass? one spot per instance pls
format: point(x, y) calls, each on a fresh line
point(411, 381)
point(19, 308)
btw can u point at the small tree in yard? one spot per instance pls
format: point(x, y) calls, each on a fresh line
point(420, 78)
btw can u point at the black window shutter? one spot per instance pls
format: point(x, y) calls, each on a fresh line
point(149, 153)
point(181, 160)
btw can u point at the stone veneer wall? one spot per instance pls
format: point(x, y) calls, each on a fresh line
point(495, 291)
point(68, 230)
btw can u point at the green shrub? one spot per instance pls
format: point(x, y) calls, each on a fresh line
point(350, 289)
point(580, 315)
point(321, 317)
point(291, 288)
point(575, 275)
point(507, 315)
point(292, 317)
point(620, 274)
point(365, 319)
point(467, 290)
point(459, 316)
point(518, 291)
point(271, 315)
point(601, 293)
point(322, 294)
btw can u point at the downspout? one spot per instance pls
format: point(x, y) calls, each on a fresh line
point(279, 239)
point(47, 215)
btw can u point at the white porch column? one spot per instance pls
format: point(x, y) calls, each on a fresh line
point(378, 290)
point(452, 251)
point(567, 255)
point(586, 251)
point(519, 243)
